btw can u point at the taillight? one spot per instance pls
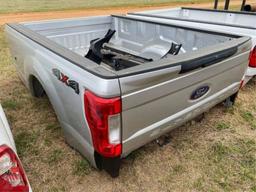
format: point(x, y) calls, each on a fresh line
point(104, 120)
point(12, 177)
point(253, 58)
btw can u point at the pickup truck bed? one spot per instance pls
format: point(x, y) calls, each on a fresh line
point(117, 82)
point(233, 22)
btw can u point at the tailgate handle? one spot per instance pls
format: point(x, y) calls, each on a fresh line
point(207, 60)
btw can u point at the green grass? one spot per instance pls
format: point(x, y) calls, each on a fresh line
point(249, 118)
point(219, 151)
point(12, 6)
point(247, 115)
point(232, 163)
point(25, 142)
point(81, 167)
point(253, 188)
point(222, 126)
point(10, 104)
point(198, 184)
point(177, 169)
point(55, 156)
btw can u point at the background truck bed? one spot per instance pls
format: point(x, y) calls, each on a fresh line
point(233, 22)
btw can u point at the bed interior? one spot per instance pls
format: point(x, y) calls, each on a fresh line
point(140, 41)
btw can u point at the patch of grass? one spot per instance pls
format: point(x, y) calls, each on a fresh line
point(52, 5)
point(48, 142)
point(219, 150)
point(5, 61)
point(53, 128)
point(178, 169)
point(57, 189)
point(249, 118)
point(223, 183)
point(198, 184)
point(81, 167)
point(10, 104)
point(232, 163)
point(247, 150)
point(222, 125)
point(247, 115)
point(175, 171)
point(230, 110)
point(135, 154)
point(24, 143)
point(55, 156)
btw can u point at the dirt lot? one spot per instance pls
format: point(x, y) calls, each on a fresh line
point(216, 154)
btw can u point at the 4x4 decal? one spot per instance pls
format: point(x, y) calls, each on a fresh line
point(65, 79)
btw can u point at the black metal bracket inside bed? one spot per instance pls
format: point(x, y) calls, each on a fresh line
point(117, 59)
point(100, 51)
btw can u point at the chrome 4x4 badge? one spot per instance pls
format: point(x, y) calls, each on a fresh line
point(65, 79)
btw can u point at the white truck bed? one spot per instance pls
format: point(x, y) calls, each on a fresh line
point(233, 22)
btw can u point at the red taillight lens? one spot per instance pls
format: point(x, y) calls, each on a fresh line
point(253, 58)
point(103, 117)
point(12, 177)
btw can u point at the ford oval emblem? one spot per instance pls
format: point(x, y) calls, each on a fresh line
point(199, 92)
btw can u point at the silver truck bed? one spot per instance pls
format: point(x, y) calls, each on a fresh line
point(164, 90)
point(148, 40)
point(209, 16)
point(232, 22)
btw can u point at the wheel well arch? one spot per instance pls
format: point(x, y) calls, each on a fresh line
point(36, 87)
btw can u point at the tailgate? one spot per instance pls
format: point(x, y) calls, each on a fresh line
point(155, 102)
